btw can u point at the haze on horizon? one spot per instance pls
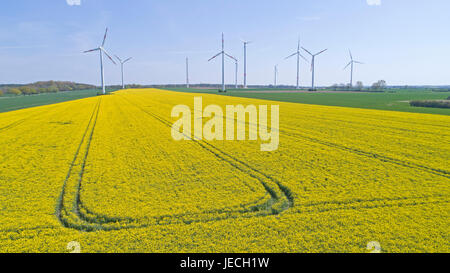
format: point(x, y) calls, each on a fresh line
point(404, 42)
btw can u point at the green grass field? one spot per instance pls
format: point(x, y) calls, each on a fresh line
point(11, 103)
point(393, 100)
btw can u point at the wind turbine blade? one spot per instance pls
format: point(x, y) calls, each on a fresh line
point(358, 62)
point(303, 57)
point(127, 59)
point(290, 56)
point(117, 57)
point(106, 53)
point(91, 50)
point(215, 56)
point(351, 56)
point(231, 57)
point(321, 52)
point(347, 65)
point(307, 51)
point(104, 38)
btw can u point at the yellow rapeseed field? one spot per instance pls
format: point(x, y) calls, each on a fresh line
point(105, 172)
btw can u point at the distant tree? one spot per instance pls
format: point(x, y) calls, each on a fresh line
point(379, 85)
point(15, 91)
point(26, 90)
point(1, 93)
point(359, 85)
point(334, 86)
point(53, 89)
point(432, 104)
point(375, 86)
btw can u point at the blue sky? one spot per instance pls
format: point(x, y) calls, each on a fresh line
point(401, 41)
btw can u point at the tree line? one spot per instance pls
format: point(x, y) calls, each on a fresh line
point(431, 103)
point(43, 87)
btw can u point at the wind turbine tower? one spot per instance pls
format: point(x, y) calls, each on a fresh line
point(121, 67)
point(245, 62)
point(236, 74)
point(313, 64)
point(276, 75)
point(187, 72)
point(223, 53)
point(352, 62)
point(298, 54)
point(102, 51)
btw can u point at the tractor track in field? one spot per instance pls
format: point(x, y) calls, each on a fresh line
point(371, 155)
point(60, 203)
point(242, 208)
point(368, 206)
point(324, 206)
point(18, 122)
point(225, 156)
point(405, 122)
point(14, 124)
point(89, 216)
point(86, 220)
point(358, 152)
point(91, 221)
point(15, 234)
point(371, 125)
point(291, 132)
point(254, 173)
point(103, 219)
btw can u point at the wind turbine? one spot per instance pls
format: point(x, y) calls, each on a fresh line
point(245, 62)
point(298, 62)
point(313, 63)
point(187, 72)
point(276, 75)
point(223, 53)
point(121, 67)
point(236, 74)
point(352, 62)
point(102, 50)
